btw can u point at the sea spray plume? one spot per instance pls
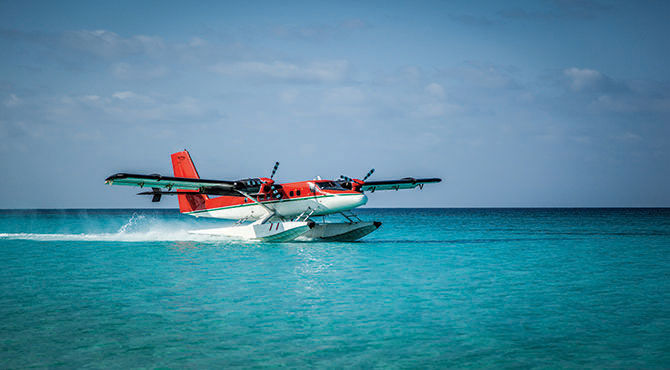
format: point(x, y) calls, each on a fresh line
point(134, 220)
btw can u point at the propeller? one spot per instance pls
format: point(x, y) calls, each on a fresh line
point(274, 170)
point(369, 174)
point(275, 193)
point(349, 179)
point(349, 182)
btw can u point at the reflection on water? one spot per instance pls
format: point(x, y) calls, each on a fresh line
point(310, 266)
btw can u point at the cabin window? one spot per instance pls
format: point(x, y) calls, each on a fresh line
point(290, 193)
point(297, 192)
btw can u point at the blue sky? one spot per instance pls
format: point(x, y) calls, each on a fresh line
point(536, 103)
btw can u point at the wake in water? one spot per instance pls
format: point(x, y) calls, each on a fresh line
point(180, 235)
point(139, 228)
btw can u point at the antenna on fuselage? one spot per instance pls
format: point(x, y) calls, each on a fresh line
point(274, 170)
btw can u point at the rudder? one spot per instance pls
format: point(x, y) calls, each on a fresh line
point(182, 166)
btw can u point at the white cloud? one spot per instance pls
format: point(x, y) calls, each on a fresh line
point(626, 103)
point(188, 106)
point(123, 95)
point(582, 139)
point(106, 44)
point(317, 32)
point(581, 79)
point(615, 104)
point(353, 24)
point(617, 96)
point(88, 135)
point(629, 137)
point(344, 101)
point(435, 90)
point(344, 95)
point(14, 129)
point(487, 76)
point(133, 97)
point(329, 71)
point(128, 106)
point(430, 110)
point(429, 103)
point(197, 42)
point(12, 101)
point(129, 72)
point(288, 96)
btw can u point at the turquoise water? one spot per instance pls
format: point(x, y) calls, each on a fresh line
point(431, 288)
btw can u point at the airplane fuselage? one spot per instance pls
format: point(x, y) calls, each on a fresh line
point(294, 199)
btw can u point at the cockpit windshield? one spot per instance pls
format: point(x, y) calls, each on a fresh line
point(330, 185)
point(252, 182)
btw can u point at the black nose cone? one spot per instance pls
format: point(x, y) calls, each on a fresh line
point(377, 224)
point(311, 224)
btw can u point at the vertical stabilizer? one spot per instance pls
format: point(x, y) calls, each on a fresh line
point(183, 166)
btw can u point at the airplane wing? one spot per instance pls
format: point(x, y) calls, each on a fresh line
point(404, 183)
point(202, 186)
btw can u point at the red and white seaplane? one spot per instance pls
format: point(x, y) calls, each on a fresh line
point(275, 212)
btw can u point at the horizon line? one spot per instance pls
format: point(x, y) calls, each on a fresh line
point(473, 207)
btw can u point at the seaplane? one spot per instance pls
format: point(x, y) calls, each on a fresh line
point(264, 209)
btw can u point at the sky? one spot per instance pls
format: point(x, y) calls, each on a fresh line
point(514, 104)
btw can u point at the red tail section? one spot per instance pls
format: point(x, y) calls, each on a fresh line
point(183, 166)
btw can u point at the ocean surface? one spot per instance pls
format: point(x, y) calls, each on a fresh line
point(432, 288)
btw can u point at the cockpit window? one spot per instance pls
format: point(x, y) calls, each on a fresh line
point(252, 182)
point(330, 185)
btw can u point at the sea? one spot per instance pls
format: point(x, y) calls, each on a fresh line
point(432, 288)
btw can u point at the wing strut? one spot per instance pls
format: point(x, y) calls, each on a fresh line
point(271, 212)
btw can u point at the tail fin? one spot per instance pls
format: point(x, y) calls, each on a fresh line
point(183, 166)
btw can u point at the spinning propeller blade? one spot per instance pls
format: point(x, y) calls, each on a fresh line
point(369, 174)
point(274, 169)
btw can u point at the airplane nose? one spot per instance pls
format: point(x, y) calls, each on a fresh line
point(345, 202)
point(362, 199)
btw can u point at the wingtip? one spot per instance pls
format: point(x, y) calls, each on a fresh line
point(113, 177)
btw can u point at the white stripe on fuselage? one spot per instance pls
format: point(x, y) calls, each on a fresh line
point(322, 205)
